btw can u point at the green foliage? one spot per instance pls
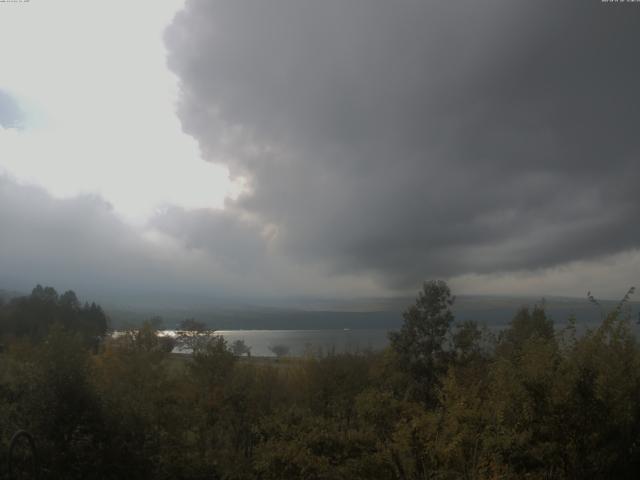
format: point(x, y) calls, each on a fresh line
point(54, 399)
point(525, 325)
point(193, 335)
point(445, 401)
point(212, 361)
point(421, 342)
point(296, 444)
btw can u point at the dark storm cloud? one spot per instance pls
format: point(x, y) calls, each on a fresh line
point(416, 139)
point(11, 115)
point(82, 244)
point(235, 244)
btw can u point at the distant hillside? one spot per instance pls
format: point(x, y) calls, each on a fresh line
point(493, 311)
point(498, 311)
point(319, 314)
point(261, 318)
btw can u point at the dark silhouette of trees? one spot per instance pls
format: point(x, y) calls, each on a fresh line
point(421, 343)
point(532, 402)
point(192, 325)
point(239, 348)
point(193, 334)
point(32, 316)
point(279, 350)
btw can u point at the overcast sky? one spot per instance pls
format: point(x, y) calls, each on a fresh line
point(327, 148)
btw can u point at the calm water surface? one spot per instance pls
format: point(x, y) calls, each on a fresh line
point(300, 342)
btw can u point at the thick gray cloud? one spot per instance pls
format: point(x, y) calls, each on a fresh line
point(74, 243)
point(236, 244)
point(181, 257)
point(413, 139)
point(81, 243)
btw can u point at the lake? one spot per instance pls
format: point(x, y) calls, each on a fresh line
point(300, 342)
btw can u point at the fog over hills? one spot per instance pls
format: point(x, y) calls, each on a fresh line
point(380, 313)
point(302, 313)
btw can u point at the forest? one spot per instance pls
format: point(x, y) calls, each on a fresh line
point(445, 400)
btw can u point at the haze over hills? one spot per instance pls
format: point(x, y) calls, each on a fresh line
point(385, 313)
point(6, 295)
point(324, 313)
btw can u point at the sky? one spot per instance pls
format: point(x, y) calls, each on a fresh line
point(330, 149)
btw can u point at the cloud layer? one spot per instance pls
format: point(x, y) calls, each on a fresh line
point(182, 257)
point(404, 140)
point(380, 144)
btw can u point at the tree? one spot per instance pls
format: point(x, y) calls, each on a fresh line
point(191, 325)
point(212, 361)
point(193, 334)
point(420, 343)
point(61, 405)
point(525, 325)
point(70, 300)
point(240, 348)
point(33, 316)
point(167, 343)
point(45, 294)
point(279, 350)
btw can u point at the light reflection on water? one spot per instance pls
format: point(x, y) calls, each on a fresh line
point(300, 342)
point(320, 342)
